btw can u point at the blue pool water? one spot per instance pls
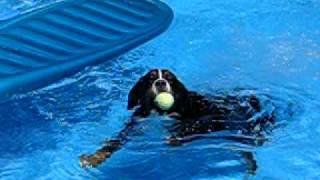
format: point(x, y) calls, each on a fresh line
point(271, 48)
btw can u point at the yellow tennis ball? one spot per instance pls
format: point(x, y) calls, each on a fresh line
point(164, 100)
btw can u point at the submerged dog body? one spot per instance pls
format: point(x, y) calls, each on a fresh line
point(194, 113)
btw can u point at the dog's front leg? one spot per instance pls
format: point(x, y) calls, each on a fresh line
point(110, 147)
point(101, 155)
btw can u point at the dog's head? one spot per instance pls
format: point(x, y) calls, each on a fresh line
point(153, 83)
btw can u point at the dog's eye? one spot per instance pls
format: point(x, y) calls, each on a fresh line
point(153, 76)
point(168, 76)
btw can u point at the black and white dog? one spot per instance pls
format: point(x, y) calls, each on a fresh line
point(194, 113)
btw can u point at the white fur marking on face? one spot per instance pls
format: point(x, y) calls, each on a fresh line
point(160, 74)
point(154, 89)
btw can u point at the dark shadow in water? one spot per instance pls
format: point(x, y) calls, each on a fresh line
point(23, 130)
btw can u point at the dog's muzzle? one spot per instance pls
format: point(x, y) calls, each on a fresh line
point(160, 85)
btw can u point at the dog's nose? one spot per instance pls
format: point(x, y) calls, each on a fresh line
point(161, 83)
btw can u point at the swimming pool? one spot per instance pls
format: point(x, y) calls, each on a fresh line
point(271, 48)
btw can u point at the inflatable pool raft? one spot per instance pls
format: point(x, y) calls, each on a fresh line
point(46, 45)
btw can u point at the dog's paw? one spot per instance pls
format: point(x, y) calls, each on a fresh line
point(173, 141)
point(89, 161)
point(85, 161)
point(93, 160)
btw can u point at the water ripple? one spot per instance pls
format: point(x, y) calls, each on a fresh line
point(259, 47)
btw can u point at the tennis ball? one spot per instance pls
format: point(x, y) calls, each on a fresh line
point(164, 101)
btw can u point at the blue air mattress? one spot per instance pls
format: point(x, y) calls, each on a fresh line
point(45, 45)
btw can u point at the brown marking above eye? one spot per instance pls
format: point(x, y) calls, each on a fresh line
point(153, 74)
point(167, 75)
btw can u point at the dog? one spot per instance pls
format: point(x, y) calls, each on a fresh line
point(194, 114)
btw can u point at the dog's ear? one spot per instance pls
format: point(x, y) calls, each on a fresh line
point(136, 93)
point(179, 87)
point(180, 93)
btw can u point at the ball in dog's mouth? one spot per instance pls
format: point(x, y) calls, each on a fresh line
point(164, 101)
